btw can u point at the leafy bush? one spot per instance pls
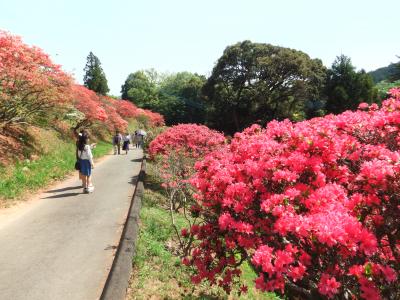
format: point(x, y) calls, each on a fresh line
point(175, 151)
point(312, 206)
point(31, 85)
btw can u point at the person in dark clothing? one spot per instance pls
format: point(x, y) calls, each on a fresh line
point(77, 156)
point(117, 142)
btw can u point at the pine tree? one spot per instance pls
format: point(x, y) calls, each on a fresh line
point(346, 88)
point(94, 78)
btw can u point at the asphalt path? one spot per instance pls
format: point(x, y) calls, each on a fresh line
point(61, 245)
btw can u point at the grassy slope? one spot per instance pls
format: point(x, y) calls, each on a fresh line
point(158, 274)
point(56, 161)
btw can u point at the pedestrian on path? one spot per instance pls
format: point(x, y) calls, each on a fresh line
point(126, 138)
point(117, 142)
point(135, 139)
point(77, 156)
point(139, 139)
point(86, 162)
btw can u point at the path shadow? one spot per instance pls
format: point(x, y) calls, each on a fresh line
point(141, 176)
point(62, 195)
point(111, 247)
point(65, 189)
point(136, 160)
point(134, 179)
point(153, 183)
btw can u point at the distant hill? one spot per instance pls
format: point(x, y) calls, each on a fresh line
point(382, 73)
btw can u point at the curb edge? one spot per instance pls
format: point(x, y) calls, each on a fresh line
point(119, 275)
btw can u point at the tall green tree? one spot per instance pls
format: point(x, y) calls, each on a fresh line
point(181, 99)
point(346, 88)
point(176, 96)
point(94, 78)
point(141, 88)
point(254, 82)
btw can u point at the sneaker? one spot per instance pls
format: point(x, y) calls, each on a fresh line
point(85, 191)
point(90, 189)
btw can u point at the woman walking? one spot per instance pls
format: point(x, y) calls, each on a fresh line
point(86, 162)
point(135, 139)
point(125, 146)
point(77, 156)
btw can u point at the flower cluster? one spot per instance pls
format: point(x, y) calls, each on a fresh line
point(155, 119)
point(194, 140)
point(89, 104)
point(312, 206)
point(179, 147)
point(31, 85)
point(176, 151)
point(129, 110)
point(33, 88)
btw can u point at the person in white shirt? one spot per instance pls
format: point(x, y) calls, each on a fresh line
point(86, 162)
point(126, 139)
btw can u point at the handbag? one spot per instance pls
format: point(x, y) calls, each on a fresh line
point(78, 163)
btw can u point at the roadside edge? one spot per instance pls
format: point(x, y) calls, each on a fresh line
point(118, 278)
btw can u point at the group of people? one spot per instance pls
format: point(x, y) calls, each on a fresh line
point(84, 156)
point(125, 140)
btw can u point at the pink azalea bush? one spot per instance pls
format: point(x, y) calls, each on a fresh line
point(192, 139)
point(34, 90)
point(179, 147)
point(175, 152)
point(313, 207)
point(155, 119)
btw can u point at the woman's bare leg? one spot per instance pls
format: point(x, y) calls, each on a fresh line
point(86, 181)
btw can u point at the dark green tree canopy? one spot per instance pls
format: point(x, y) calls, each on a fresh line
point(181, 99)
point(345, 88)
point(94, 78)
point(141, 88)
point(260, 82)
point(176, 96)
point(384, 73)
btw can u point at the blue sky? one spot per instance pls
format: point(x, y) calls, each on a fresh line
point(188, 35)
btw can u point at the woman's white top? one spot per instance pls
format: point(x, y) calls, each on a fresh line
point(127, 138)
point(86, 154)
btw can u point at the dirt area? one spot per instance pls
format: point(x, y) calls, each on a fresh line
point(10, 146)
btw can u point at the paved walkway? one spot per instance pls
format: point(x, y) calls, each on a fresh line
point(62, 246)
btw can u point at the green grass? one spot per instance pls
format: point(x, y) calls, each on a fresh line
point(102, 148)
point(158, 273)
point(28, 176)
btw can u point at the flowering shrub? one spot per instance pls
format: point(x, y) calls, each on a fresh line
point(33, 89)
point(179, 147)
point(155, 119)
point(31, 85)
point(312, 206)
point(176, 150)
point(89, 104)
point(191, 139)
point(114, 120)
point(126, 109)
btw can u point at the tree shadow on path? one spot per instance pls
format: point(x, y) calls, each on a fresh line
point(65, 189)
point(62, 195)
